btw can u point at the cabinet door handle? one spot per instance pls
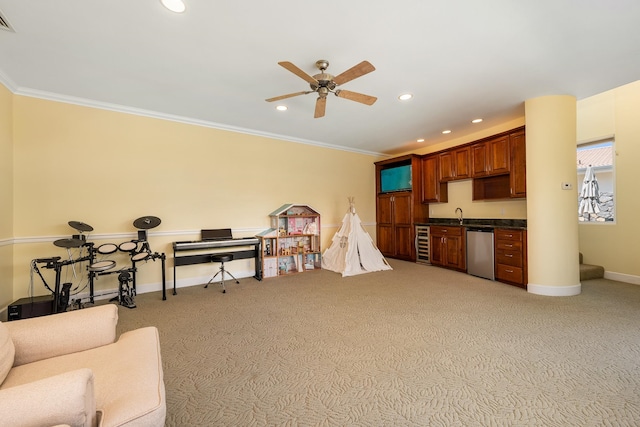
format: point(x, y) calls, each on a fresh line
point(509, 271)
point(509, 255)
point(509, 235)
point(509, 246)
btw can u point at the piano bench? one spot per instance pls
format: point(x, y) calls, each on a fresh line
point(222, 258)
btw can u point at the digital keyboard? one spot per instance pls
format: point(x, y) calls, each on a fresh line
point(235, 248)
point(211, 244)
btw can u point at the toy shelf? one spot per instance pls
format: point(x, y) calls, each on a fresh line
point(292, 244)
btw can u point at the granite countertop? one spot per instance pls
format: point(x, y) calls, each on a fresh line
point(520, 224)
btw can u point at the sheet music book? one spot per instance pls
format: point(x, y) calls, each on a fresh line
point(216, 234)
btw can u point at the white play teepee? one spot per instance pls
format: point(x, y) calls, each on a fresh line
point(352, 250)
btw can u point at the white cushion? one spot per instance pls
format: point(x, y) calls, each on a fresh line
point(7, 352)
point(68, 398)
point(43, 337)
point(128, 375)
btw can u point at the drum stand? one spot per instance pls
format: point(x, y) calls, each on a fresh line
point(153, 257)
point(126, 278)
point(145, 253)
point(62, 292)
point(126, 293)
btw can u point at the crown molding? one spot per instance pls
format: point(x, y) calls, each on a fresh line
point(50, 96)
point(7, 82)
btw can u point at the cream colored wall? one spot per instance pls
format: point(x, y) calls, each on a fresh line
point(552, 225)
point(596, 117)
point(460, 192)
point(6, 197)
point(615, 246)
point(460, 196)
point(107, 169)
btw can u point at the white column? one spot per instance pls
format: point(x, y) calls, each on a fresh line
point(552, 218)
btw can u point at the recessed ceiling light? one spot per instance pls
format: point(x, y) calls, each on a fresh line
point(476, 120)
point(281, 108)
point(420, 140)
point(176, 6)
point(405, 97)
point(446, 131)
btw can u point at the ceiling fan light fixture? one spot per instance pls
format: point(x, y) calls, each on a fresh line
point(324, 83)
point(420, 140)
point(176, 6)
point(405, 96)
point(476, 121)
point(446, 132)
point(282, 108)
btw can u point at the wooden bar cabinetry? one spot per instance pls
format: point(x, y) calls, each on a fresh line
point(395, 225)
point(518, 175)
point(511, 256)
point(434, 190)
point(504, 176)
point(454, 164)
point(490, 157)
point(448, 247)
point(496, 164)
point(397, 212)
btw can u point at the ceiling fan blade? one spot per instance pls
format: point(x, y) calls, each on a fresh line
point(321, 105)
point(355, 96)
point(354, 72)
point(290, 95)
point(297, 71)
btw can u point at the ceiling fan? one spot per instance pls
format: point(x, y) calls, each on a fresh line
point(324, 84)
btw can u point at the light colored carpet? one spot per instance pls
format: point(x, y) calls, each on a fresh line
point(416, 346)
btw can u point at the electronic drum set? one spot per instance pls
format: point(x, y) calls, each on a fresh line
point(99, 264)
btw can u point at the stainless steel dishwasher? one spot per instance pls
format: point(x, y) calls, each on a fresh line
point(480, 253)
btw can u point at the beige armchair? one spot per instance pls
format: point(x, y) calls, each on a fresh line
point(68, 369)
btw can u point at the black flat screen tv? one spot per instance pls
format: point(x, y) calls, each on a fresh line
point(396, 178)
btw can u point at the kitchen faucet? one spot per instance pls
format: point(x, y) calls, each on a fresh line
point(459, 218)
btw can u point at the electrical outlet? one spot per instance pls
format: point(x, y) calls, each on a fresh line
point(566, 186)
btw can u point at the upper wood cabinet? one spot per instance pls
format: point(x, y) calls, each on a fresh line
point(454, 164)
point(446, 164)
point(494, 183)
point(463, 166)
point(478, 159)
point(433, 189)
point(491, 157)
point(499, 159)
point(496, 164)
point(518, 177)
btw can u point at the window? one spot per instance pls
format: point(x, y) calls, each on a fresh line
point(596, 193)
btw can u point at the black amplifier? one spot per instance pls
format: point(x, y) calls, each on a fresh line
point(30, 307)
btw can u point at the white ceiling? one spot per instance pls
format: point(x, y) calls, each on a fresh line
point(216, 63)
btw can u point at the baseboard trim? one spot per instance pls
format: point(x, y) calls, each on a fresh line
point(105, 294)
point(621, 277)
point(554, 291)
point(157, 286)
